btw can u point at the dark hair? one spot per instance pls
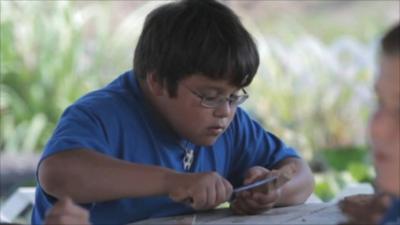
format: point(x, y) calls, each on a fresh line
point(391, 41)
point(195, 37)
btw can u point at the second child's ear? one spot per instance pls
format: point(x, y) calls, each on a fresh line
point(154, 85)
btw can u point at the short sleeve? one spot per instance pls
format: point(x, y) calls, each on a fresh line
point(79, 127)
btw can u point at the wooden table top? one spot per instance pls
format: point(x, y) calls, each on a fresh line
point(312, 213)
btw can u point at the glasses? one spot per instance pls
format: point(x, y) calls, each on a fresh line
point(219, 100)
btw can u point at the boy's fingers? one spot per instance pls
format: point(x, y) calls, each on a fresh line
point(63, 201)
point(72, 208)
point(181, 196)
point(58, 208)
point(65, 211)
point(65, 220)
point(255, 173)
point(199, 199)
point(228, 189)
point(211, 196)
point(249, 206)
point(65, 206)
point(237, 208)
point(221, 192)
point(253, 206)
point(265, 199)
point(245, 194)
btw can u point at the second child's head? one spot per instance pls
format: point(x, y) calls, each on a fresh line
point(385, 123)
point(195, 57)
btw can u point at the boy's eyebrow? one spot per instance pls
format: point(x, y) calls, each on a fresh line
point(219, 91)
point(211, 88)
point(215, 88)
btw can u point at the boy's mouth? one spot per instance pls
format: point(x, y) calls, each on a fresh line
point(215, 130)
point(380, 156)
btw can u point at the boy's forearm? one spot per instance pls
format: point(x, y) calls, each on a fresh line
point(300, 187)
point(88, 176)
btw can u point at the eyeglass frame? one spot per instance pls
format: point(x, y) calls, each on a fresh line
point(239, 99)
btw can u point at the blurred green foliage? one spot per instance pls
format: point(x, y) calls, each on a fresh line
point(46, 64)
point(325, 189)
point(37, 75)
point(341, 159)
point(344, 166)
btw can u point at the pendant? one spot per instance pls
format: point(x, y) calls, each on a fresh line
point(188, 159)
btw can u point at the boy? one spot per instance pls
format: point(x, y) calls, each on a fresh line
point(169, 132)
point(384, 129)
point(385, 124)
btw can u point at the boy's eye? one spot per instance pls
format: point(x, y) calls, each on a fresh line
point(209, 94)
point(210, 98)
point(235, 94)
point(233, 97)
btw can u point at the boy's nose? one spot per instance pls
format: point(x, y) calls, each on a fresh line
point(223, 110)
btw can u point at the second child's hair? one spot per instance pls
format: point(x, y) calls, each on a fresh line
point(195, 37)
point(391, 41)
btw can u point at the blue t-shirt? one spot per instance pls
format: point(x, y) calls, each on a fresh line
point(117, 121)
point(392, 216)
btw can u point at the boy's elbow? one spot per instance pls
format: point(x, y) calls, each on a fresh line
point(309, 186)
point(50, 177)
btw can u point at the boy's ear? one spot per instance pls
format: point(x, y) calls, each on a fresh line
point(154, 85)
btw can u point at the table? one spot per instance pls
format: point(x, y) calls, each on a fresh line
point(311, 213)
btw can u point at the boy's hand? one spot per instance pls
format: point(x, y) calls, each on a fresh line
point(200, 190)
point(261, 198)
point(67, 213)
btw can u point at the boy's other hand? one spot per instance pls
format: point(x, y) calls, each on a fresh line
point(258, 199)
point(201, 190)
point(65, 212)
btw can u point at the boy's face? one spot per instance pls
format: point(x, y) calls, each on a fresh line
point(385, 125)
point(189, 118)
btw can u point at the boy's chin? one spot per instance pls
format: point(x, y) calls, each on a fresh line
point(206, 141)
